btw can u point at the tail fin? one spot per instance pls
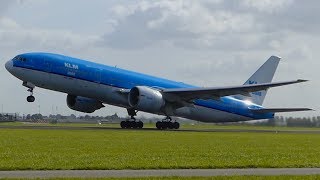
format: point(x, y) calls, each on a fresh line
point(263, 75)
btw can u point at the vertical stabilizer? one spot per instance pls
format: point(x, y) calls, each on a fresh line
point(263, 75)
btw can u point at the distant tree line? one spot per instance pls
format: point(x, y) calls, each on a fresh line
point(277, 121)
point(292, 121)
point(36, 117)
point(8, 117)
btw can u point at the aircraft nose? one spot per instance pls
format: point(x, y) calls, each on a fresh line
point(9, 66)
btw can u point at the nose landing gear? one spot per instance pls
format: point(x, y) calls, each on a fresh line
point(30, 87)
point(31, 98)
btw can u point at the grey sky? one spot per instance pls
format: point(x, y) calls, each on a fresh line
point(205, 42)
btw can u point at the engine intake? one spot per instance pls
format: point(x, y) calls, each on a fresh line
point(146, 99)
point(83, 104)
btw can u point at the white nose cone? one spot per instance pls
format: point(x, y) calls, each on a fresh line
point(9, 66)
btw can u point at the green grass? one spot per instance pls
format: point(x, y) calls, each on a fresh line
point(289, 177)
point(133, 149)
point(223, 177)
point(152, 125)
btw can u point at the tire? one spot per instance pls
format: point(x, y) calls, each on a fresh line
point(135, 125)
point(159, 125)
point(123, 124)
point(165, 125)
point(131, 124)
point(176, 125)
point(171, 125)
point(140, 124)
point(127, 124)
point(31, 98)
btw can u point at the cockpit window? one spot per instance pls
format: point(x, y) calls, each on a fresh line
point(19, 58)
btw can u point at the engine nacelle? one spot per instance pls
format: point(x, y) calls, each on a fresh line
point(83, 104)
point(146, 99)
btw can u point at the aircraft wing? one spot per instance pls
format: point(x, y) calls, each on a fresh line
point(190, 94)
point(276, 110)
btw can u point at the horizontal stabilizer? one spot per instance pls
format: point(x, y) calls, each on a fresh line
point(277, 110)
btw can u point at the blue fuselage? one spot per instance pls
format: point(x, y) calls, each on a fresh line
point(54, 65)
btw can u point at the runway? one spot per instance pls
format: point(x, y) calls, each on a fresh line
point(158, 173)
point(315, 131)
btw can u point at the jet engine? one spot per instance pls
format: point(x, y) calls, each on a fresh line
point(83, 104)
point(146, 99)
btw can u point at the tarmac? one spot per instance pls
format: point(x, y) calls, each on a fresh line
point(159, 173)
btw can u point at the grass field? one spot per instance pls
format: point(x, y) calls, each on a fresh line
point(152, 125)
point(307, 177)
point(138, 149)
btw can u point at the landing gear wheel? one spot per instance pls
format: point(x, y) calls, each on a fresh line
point(159, 125)
point(131, 124)
point(30, 87)
point(31, 98)
point(123, 124)
point(176, 125)
point(170, 125)
point(167, 124)
point(140, 124)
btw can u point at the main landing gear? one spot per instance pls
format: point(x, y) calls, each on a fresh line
point(167, 124)
point(131, 123)
point(30, 87)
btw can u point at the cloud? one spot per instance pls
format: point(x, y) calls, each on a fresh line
point(203, 42)
point(5, 4)
point(7, 24)
point(301, 53)
point(151, 22)
point(268, 6)
point(196, 24)
point(15, 36)
point(291, 16)
point(239, 25)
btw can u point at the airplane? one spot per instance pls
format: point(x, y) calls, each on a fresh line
point(90, 85)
